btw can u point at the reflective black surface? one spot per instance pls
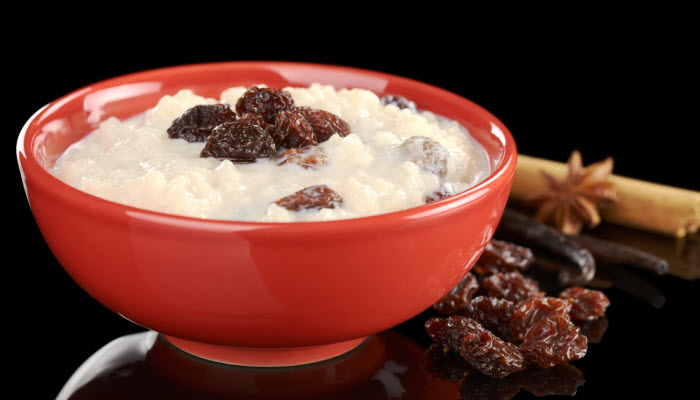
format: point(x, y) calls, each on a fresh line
point(587, 87)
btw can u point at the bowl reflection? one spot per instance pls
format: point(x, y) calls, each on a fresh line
point(145, 366)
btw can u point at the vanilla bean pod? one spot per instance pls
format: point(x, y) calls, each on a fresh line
point(521, 228)
point(607, 252)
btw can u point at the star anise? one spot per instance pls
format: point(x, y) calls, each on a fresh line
point(571, 202)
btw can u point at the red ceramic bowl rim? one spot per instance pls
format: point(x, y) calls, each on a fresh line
point(110, 209)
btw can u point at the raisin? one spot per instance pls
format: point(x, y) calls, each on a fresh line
point(511, 286)
point(293, 131)
point(399, 101)
point(450, 331)
point(476, 386)
point(306, 158)
point(311, 198)
point(593, 330)
point(586, 304)
point(506, 256)
point(197, 123)
point(482, 349)
point(531, 311)
point(427, 153)
point(265, 102)
point(241, 141)
point(448, 365)
point(490, 355)
point(324, 123)
point(457, 300)
point(492, 313)
point(553, 341)
point(559, 380)
point(437, 195)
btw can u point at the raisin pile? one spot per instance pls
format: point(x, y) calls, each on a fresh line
point(502, 325)
point(266, 122)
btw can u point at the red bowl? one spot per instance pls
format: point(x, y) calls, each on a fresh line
point(248, 292)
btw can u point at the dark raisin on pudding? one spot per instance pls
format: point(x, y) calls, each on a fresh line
point(311, 198)
point(323, 123)
point(197, 123)
point(310, 157)
point(241, 141)
point(427, 153)
point(399, 101)
point(265, 102)
point(437, 195)
point(293, 131)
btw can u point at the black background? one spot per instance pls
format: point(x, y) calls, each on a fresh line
point(596, 86)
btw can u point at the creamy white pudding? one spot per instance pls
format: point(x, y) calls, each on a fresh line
point(135, 162)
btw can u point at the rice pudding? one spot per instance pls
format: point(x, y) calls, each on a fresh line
point(377, 168)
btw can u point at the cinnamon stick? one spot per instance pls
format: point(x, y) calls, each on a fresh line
point(641, 205)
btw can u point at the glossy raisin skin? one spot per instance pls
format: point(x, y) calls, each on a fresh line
point(323, 123)
point(506, 256)
point(511, 286)
point(293, 131)
point(399, 101)
point(311, 198)
point(586, 304)
point(553, 341)
point(532, 311)
point(457, 300)
point(197, 123)
point(308, 158)
point(265, 102)
point(484, 351)
point(426, 153)
point(241, 141)
point(492, 313)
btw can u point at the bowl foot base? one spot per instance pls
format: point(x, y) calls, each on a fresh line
point(264, 357)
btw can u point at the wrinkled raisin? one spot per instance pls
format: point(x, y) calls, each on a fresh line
point(399, 101)
point(586, 304)
point(292, 131)
point(306, 158)
point(492, 313)
point(265, 102)
point(512, 286)
point(311, 198)
point(457, 300)
point(447, 364)
point(324, 123)
point(553, 341)
point(197, 123)
point(506, 256)
point(531, 311)
point(450, 331)
point(490, 355)
point(559, 380)
point(241, 141)
point(426, 153)
point(593, 330)
point(482, 349)
point(476, 386)
point(437, 195)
